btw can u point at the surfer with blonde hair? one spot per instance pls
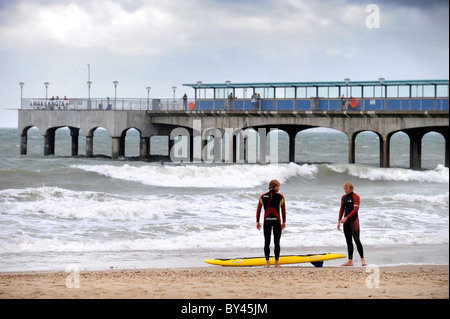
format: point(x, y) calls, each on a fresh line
point(273, 202)
point(348, 215)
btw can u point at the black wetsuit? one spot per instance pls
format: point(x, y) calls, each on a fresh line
point(272, 203)
point(349, 209)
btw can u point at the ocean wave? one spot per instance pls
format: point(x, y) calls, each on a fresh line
point(44, 203)
point(441, 199)
point(438, 175)
point(214, 241)
point(226, 176)
point(32, 194)
point(62, 203)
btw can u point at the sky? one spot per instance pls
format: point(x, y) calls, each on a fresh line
point(166, 43)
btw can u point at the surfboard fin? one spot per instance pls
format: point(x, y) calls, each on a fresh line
point(317, 263)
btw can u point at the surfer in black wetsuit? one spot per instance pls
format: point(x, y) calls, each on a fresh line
point(273, 202)
point(348, 215)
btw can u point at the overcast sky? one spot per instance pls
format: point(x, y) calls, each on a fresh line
point(166, 43)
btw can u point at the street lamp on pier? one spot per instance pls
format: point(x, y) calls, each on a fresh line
point(89, 93)
point(21, 93)
point(148, 96)
point(46, 89)
point(381, 85)
point(174, 88)
point(347, 81)
point(115, 93)
point(199, 83)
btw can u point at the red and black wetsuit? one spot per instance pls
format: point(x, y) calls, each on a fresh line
point(349, 209)
point(272, 202)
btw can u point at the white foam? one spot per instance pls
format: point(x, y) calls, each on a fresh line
point(438, 175)
point(63, 203)
point(219, 239)
point(439, 199)
point(226, 176)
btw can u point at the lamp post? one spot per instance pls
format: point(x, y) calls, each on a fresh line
point(227, 83)
point(230, 101)
point(347, 81)
point(381, 86)
point(89, 93)
point(174, 88)
point(46, 89)
point(148, 96)
point(199, 83)
point(21, 93)
point(115, 93)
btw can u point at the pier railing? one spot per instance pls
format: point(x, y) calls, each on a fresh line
point(103, 104)
point(306, 104)
point(323, 104)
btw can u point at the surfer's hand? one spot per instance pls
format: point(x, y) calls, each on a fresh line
point(283, 226)
point(258, 226)
point(339, 225)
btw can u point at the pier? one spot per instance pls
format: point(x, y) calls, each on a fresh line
point(414, 107)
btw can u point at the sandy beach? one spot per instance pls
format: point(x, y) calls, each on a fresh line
point(396, 282)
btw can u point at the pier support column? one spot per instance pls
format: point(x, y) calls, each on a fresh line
point(89, 146)
point(144, 147)
point(234, 154)
point(242, 147)
point(351, 148)
point(191, 148)
point(195, 147)
point(115, 149)
point(217, 140)
point(170, 144)
point(23, 144)
point(245, 149)
point(292, 135)
point(262, 145)
point(74, 132)
point(415, 151)
point(49, 143)
point(204, 149)
point(122, 145)
point(384, 152)
point(228, 145)
point(446, 150)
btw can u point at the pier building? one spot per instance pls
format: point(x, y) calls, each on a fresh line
point(414, 107)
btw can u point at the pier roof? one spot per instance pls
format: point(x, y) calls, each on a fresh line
point(314, 84)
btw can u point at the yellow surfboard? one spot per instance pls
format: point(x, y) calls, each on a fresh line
point(316, 259)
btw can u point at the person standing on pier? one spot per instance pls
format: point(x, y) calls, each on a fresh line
point(343, 102)
point(253, 100)
point(185, 98)
point(230, 100)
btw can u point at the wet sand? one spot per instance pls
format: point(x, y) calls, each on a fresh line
point(396, 282)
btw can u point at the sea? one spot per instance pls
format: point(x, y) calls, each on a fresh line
point(60, 211)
